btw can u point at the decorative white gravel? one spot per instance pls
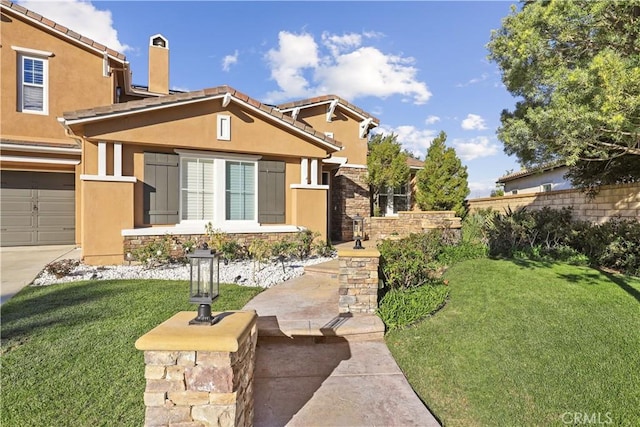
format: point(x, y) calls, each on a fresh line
point(239, 272)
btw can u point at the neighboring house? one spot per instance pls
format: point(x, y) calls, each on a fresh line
point(48, 69)
point(538, 180)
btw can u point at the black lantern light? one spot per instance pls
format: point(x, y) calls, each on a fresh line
point(358, 231)
point(204, 284)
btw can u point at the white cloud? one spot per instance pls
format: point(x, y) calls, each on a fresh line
point(82, 17)
point(469, 149)
point(474, 80)
point(229, 60)
point(431, 120)
point(416, 141)
point(473, 122)
point(295, 54)
point(343, 65)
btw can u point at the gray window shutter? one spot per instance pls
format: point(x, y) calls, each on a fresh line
point(271, 202)
point(161, 188)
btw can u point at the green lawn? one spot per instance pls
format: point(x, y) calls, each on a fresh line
point(68, 355)
point(525, 343)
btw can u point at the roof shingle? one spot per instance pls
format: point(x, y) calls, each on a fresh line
point(15, 8)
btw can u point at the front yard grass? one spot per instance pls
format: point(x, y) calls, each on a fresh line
point(68, 355)
point(526, 343)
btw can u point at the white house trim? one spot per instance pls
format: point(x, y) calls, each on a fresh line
point(34, 52)
point(108, 178)
point(53, 161)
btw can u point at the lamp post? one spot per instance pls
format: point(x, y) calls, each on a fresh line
point(204, 286)
point(358, 231)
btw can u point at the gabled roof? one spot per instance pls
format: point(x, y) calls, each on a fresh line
point(414, 163)
point(61, 30)
point(327, 99)
point(225, 93)
point(529, 172)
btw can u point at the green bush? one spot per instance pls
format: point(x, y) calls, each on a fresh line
point(402, 307)
point(154, 253)
point(614, 244)
point(549, 234)
point(411, 261)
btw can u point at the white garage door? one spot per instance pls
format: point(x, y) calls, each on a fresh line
point(37, 208)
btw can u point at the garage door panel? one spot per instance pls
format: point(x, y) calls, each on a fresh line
point(13, 207)
point(55, 195)
point(56, 221)
point(18, 238)
point(55, 236)
point(16, 221)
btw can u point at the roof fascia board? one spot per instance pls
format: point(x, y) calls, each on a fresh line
point(38, 148)
point(59, 33)
point(328, 101)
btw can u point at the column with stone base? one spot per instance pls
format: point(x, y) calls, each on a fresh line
point(200, 376)
point(358, 281)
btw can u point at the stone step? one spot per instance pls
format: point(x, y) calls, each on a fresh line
point(329, 269)
point(364, 327)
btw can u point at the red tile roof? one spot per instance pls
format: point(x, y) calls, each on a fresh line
point(326, 98)
point(15, 8)
point(414, 163)
point(169, 100)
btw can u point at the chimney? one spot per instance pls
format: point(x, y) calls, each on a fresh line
point(159, 64)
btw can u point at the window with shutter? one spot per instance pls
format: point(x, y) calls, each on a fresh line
point(161, 188)
point(240, 190)
point(271, 192)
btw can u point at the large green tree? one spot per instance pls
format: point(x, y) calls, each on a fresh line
point(386, 165)
point(575, 67)
point(442, 182)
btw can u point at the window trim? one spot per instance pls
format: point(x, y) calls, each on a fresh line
point(223, 127)
point(219, 182)
point(34, 55)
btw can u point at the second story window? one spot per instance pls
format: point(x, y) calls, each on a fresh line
point(33, 89)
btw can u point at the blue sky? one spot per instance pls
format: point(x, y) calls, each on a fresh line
point(419, 66)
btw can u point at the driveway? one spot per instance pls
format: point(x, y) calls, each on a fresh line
point(21, 264)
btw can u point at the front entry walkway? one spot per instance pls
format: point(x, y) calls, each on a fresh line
point(315, 367)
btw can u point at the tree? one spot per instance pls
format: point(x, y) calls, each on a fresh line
point(442, 182)
point(575, 65)
point(386, 165)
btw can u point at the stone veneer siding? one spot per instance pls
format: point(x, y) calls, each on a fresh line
point(411, 222)
point(358, 281)
point(199, 388)
point(612, 201)
point(131, 243)
point(349, 197)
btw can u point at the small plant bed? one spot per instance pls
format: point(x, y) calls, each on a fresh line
point(528, 343)
point(68, 355)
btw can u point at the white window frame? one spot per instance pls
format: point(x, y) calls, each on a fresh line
point(390, 194)
point(24, 54)
point(546, 187)
point(223, 127)
point(219, 191)
point(255, 195)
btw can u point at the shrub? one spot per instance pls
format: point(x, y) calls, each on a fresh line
point(461, 252)
point(403, 307)
point(223, 244)
point(411, 261)
point(614, 244)
point(154, 253)
point(323, 249)
point(62, 268)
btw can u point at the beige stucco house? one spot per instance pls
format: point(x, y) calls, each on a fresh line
point(89, 158)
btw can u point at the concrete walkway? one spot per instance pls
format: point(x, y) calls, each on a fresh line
point(20, 265)
point(317, 368)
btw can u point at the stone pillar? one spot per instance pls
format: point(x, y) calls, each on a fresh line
point(358, 280)
point(349, 197)
point(199, 376)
